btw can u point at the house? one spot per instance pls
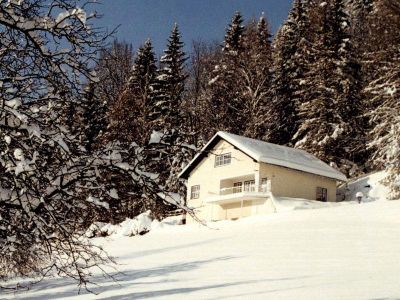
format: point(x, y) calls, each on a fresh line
point(234, 176)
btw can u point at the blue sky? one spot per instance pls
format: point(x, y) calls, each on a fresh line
point(197, 19)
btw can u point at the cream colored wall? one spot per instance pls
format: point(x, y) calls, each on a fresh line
point(250, 208)
point(292, 183)
point(209, 178)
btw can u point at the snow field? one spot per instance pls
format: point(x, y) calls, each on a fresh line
point(341, 251)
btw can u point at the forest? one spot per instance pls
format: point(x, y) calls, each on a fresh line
point(93, 130)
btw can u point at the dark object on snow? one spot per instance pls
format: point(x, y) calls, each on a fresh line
point(359, 196)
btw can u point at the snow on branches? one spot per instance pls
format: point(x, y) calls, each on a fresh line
point(43, 166)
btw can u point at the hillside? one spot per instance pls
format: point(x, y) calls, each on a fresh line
point(341, 251)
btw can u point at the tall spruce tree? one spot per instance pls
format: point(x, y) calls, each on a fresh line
point(225, 100)
point(140, 85)
point(382, 59)
point(170, 152)
point(170, 85)
point(330, 112)
point(238, 95)
point(128, 133)
point(288, 71)
point(234, 34)
point(255, 69)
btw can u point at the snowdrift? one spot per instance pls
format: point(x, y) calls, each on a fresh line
point(130, 227)
point(370, 186)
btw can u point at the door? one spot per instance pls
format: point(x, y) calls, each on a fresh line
point(249, 186)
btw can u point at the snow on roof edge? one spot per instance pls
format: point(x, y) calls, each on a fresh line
point(197, 155)
point(329, 171)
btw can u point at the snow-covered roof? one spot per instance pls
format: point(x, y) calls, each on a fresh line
point(269, 153)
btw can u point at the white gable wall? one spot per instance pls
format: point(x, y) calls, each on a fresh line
point(209, 177)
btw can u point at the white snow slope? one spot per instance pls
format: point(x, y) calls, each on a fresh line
point(346, 251)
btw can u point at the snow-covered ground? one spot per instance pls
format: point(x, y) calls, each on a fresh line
point(369, 185)
point(341, 251)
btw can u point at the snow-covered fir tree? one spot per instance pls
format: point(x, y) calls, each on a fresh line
point(93, 117)
point(170, 85)
point(234, 34)
point(238, 95)
point(132, 121)
point(290, 62)
point(330, 113)
point(169, 151)
point(256, 73)
point(224, 99)
point(382, 92)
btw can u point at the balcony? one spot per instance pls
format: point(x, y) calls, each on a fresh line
point(240, 193)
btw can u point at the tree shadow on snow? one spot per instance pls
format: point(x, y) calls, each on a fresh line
point(385, 299)
point(167, 249)
point(122, 280)
point(176, 291)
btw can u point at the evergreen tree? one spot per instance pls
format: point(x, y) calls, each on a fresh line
point(170, 85)
point(382, 91)
point(331, 108)
point(169, 152)
point(140, 85)
point(93, 118)
point(226, 103)
point(255, 69)
point(290, 62)
point(234, 34)
point(238, 94)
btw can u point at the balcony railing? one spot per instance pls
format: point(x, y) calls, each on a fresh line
point(243, 189)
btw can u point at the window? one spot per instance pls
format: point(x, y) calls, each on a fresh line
point(222, 160)
point(322, 194)
point(195, 192)
point(264, 184)
point(249, 186)
point(237, 187)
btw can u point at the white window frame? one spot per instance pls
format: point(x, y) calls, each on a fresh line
point(223, 159)
point(195, 191)
point(237, 187)
point(249, 185)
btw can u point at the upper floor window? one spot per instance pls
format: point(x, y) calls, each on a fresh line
point(195, 192)
point(223, 159)
point(322, 194)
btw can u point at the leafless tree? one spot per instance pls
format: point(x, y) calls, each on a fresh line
point(46, 50)
point(113, 69)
